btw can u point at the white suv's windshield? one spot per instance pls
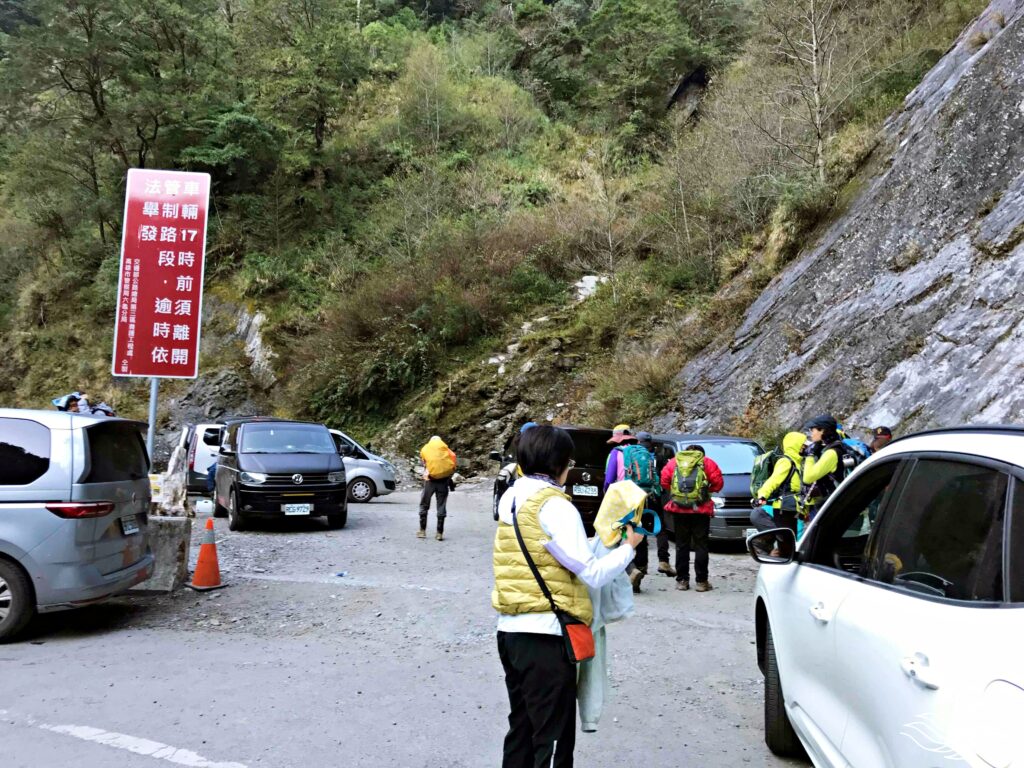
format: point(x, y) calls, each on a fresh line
point(286, 438)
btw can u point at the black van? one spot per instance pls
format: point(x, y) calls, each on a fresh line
point(586, 479)
point(273, 468)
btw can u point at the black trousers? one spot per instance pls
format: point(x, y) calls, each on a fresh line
point(541, 685)
point(640, 559)
point(692, 531)
point(433, 488)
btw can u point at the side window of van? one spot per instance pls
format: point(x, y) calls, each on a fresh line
point(24, 451)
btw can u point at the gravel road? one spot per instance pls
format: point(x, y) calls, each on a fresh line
point(366, 647)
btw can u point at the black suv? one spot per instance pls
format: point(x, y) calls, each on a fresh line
point(273, 468)
point(586, 479)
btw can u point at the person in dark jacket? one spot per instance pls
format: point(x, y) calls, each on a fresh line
point(880, 437)
point(823, 468)
point(654, 503)
point(693, 524)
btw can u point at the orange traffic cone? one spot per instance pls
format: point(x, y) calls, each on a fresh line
point(207, 573)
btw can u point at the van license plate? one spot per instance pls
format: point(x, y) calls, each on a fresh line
point(129, 525)
point(584, 490)
point(297, 509)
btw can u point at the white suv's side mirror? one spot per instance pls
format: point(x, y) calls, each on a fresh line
point(774, 547)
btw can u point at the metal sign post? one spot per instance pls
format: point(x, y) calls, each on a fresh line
point(160, 287)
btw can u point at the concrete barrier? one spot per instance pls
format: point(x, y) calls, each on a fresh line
point(170, 539)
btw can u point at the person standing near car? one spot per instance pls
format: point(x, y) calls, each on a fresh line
point(643, 469)
point(823, 468)
point(782, 488)
point(539, 678)
point(691, 477)
point(439, 466)
point(880, 437)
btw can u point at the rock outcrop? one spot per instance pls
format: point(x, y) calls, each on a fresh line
point(909, 309)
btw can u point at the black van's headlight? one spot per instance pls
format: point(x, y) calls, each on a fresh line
point(253, 478)
point(335, 477)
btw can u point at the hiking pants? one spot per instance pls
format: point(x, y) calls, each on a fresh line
point(640, 558)
point(541, 685)
point(430, 489)
point(692, 531)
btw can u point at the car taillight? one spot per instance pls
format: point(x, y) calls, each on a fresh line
point(192, 455)
point(82, 509)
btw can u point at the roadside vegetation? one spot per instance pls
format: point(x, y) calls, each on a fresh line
point(396, 184)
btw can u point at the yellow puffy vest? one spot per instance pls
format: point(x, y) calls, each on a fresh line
point(515, 589)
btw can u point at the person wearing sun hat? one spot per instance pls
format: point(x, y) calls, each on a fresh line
point(614, 467)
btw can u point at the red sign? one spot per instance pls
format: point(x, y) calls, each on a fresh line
point(160, 292)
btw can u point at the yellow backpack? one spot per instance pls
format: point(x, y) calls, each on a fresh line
point(439, 460)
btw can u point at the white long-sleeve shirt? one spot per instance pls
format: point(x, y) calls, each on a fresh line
point(568, 544)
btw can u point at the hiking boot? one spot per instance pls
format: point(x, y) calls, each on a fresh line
point(421, 533)
point(668, 570)
point(704, 586)
point(683, 586)
point(439, 536)
point(635, 577)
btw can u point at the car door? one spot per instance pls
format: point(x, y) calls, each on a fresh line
point(804, 610)
point(925, 642)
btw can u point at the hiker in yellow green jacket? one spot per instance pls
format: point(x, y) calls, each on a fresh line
point(823, 469)
point(782, 489)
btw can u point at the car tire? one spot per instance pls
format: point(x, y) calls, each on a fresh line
point(334, 522)
point(218, 510)
point(494, 505)
point(361, 490)
point(17, 601)
point(235, 520)
point(778, 731)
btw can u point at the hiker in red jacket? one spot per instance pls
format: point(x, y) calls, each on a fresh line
point(690, 478)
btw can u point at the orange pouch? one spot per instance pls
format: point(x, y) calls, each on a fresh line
point(579, 639)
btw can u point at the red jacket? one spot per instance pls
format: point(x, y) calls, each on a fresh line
point(715, 483)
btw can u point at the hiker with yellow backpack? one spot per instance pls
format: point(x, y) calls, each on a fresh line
point(439, 466)
point(690, 478)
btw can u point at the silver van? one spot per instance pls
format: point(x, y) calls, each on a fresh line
point(74, 499)
point(368, 475)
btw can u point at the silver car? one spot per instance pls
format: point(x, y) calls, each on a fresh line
point(367, 474)
point(74, 496)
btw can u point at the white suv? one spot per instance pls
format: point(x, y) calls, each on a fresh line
point(893, 636)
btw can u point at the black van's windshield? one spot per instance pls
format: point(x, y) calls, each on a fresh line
point(732, 458)
point(286, 438)
point(591, 449)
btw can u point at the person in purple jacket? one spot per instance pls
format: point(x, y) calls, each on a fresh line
point(614, 469)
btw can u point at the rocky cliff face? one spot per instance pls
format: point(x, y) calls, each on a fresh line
point(909, 309)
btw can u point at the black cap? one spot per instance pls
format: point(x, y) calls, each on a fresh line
point(825, 422)
point(882, 432)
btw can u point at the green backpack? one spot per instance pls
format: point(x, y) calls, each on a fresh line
point(764, 467)
point(690, 482)
point(640, 467)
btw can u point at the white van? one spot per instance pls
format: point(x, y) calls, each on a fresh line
point(202, 442)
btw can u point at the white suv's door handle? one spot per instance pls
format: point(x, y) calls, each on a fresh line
point(820, 613)
point(916, 667)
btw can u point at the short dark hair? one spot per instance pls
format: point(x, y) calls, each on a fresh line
point(545, 450)
point(696, 447)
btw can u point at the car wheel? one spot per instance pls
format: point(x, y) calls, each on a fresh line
point(218, 510)
point(778, 731)
point(361, 490)
point(235, 521)
point(338, 521)
point(494, 505)
point(17, 602)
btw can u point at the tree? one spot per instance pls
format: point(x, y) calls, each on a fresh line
point(825, 64)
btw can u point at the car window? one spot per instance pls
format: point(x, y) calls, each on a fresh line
point(116, 453)
point(24, 451)
point(843, 534)
point(590, 450)
point(944, 537)
point(211, 437)
point(282, 437)
point(1017, 544)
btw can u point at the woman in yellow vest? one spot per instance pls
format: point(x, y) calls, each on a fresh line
point(541, 681)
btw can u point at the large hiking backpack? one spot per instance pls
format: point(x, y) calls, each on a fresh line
point(764, 467)
point(858, 449)
point(640, 467)
point(690, 486)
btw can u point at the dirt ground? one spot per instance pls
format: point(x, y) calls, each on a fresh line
point(367, 647)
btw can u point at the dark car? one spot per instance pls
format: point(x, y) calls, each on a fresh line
point(735, 457)
point(273, 468)
point(586, 480)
